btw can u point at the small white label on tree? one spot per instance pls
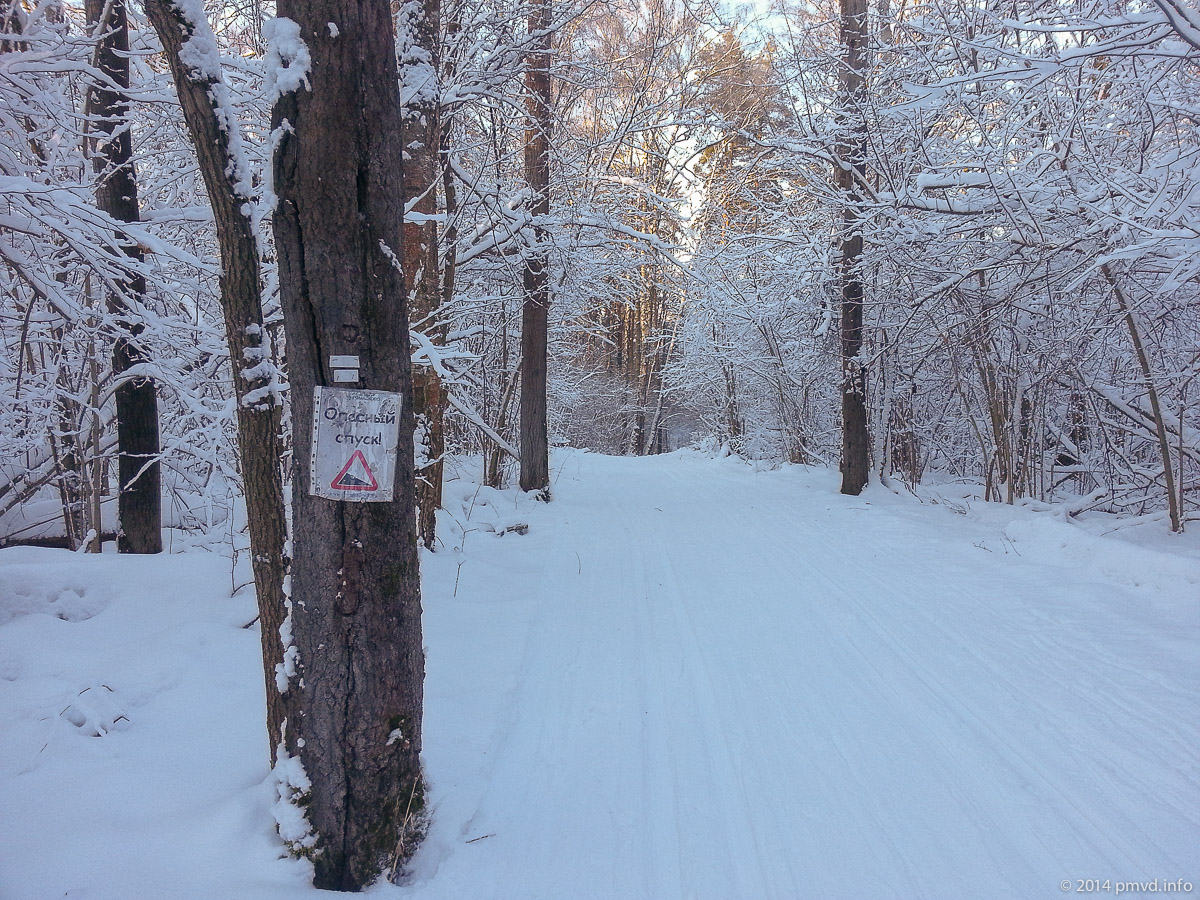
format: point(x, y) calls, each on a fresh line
point(356, 434)
point(343, 362)
point(343, 375)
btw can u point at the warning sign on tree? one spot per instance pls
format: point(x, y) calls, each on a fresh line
point(355, 436)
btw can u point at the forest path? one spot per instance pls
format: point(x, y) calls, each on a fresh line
point(745, 686)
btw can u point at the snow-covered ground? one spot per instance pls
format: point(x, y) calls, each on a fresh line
point(688, 680)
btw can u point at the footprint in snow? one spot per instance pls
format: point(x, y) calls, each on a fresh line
point(75, 605)
point(68, 604)
point(95, 711)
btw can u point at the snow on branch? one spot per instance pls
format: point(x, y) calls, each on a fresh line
point(201, 62)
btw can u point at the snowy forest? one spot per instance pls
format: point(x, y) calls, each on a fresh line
point(943, 254)
point(1010, 191)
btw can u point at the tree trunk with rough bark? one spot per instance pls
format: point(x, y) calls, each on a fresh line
point(356, 602)
point(419, 24)
point(856, 439)
point(259, 406)
point(139, 503)
point(535, 310)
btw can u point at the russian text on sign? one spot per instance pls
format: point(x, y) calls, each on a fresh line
point(355, 438)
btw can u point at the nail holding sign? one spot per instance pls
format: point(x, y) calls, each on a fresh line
point(355, 437)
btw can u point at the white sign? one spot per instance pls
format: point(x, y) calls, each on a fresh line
point(356, 434)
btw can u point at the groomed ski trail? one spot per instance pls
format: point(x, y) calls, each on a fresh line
point(716, 684)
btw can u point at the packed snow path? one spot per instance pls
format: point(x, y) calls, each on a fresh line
point(688, 681)
point(744, 686)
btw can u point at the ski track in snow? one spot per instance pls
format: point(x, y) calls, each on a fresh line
point(733, 688)
point(689, 681)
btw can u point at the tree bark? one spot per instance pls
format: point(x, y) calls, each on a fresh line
point(856, 439)
point(356, 603)
point(259, 405)
point(419, 24)
point(139, 502)
point(535, 310)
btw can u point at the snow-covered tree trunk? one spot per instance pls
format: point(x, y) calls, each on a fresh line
point(856, 440)
point(140, 501)
point(356, 592)
point(418, 25)
point(191, 52)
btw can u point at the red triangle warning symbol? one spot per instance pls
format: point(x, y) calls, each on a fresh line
point(355, 477)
